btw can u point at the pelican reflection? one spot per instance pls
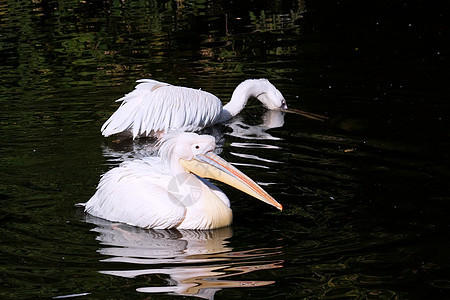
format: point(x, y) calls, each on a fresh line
point(194, 262)
point(255, 137)
point(270, 119)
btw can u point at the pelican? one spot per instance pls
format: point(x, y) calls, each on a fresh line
point(169, 191)
point(155, 107)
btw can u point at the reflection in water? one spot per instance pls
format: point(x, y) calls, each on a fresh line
point(270, 119)
point(256, 133)
point(196, 263)
point(129, 149)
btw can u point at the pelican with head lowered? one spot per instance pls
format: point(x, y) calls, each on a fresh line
point(170, 191)
point(155, 107)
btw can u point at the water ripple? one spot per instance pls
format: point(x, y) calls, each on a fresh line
point(194, 263)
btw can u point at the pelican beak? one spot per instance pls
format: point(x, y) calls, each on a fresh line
point(305, 114)
point(209, 165)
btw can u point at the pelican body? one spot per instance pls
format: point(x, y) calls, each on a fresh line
point(170, 191)
point(155, 107)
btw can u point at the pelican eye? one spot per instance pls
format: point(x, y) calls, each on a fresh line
point(197, 147)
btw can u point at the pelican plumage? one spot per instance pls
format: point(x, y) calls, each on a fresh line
point(170, 190)
point(154, 107)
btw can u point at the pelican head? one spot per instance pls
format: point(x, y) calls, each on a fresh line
point(272, 99)
point(193, 153)
point(270, 96)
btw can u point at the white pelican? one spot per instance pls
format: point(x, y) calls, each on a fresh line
point(155, 107)
point(163, 192)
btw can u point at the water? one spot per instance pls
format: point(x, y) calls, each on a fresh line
point(365, 193)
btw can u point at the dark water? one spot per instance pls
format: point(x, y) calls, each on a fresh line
point(366, 194)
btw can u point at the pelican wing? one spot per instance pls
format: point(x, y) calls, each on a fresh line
point(136, 193)
point(154, 107)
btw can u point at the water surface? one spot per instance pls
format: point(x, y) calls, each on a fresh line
point(365, 193)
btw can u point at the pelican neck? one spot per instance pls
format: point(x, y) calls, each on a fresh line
point(244, 91)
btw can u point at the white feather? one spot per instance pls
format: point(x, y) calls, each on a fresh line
point(157, 107)
point(151, 205)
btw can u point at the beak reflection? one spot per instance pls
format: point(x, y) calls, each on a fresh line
point(305, 114)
